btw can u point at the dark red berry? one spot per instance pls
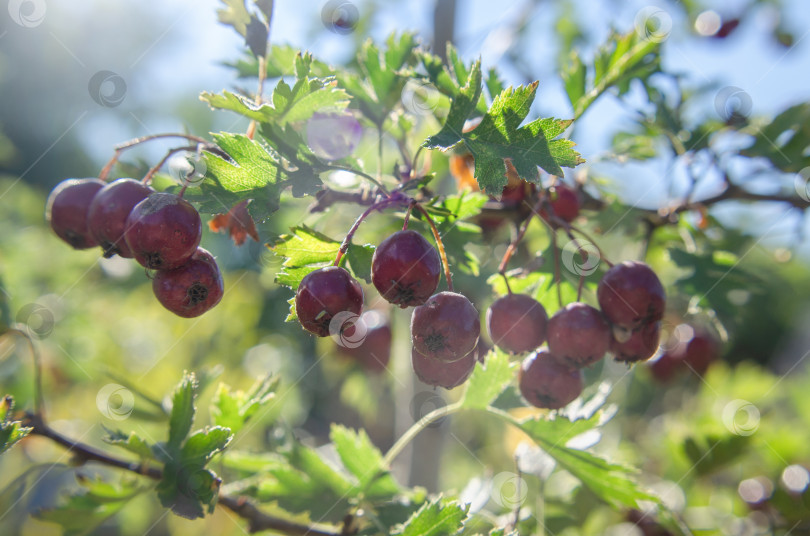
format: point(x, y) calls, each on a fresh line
point(578, 335)
point(373, 351)
point(323, 294)
point(163, 231)
point(446, 327)
point(109, 211)
point(641, 344)
point(694, 354)
point(564, 202)
point(546, 383)
point(517, 323)
point(630, 294)
point(191, 289)
point(405, 269)
point(66, 211)
point(701, 351)
point(441, 373)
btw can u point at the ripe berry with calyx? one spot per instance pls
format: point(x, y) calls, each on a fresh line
point(441, 373)
point(639, 346)
point(163, 231)
point(108, 214)
point(405, 269)
point(630, 294)
point(324, 293)
point(517, 323)
point(374, 352)
point(446, 327)
point(546, 383)
point(191, 289)
point(67, 208)
point(578, 335)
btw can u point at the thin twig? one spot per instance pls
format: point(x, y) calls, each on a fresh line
point(439, 244)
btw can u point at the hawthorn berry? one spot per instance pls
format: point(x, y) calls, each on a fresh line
point(446, 327)
point(578, 335)
point(630, 294)
point(639, 346)
point(108, 214)
point(374, 351)
point(695, 354)
point(441, 373)
point(324, 293)
point(405, 269)
point(163, 231)
point(66, 210)
point(517, 323)
point(191, 289)
point(546, 383)
point(564, 203)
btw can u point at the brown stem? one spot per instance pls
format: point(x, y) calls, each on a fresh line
point(257, 520)
point(408, 216)
point(344, 247)
point(514, 244)
point(143, 139)
point(251, 131)
point(154, 169)
point(557, 276)
point(439, 244)
point(105, 171)
point(327, 197)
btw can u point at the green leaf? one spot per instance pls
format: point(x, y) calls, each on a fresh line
point(232, 409)
point(784, 140)
point(234, 14)
point(711, 277)
point(359, 259)
point(613, 483)
point(6, 320)
point(489, 380)
point(182, 415)
point(10, 431)
point(621, 59)
point(306, 250)
point(132, 442)
point(462, 106)
point(79, 513)
point(499, 136)
point(202, 445)
point(303, 482)
point(436, 518)
point(251, 173)
point(363, 459)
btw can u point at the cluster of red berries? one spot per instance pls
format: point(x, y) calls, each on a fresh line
point(405, 270)
point(161, 231)
point(631, 299)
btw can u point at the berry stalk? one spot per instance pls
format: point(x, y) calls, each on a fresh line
point(105, 171)
point(344, 246)
point(439, 244)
